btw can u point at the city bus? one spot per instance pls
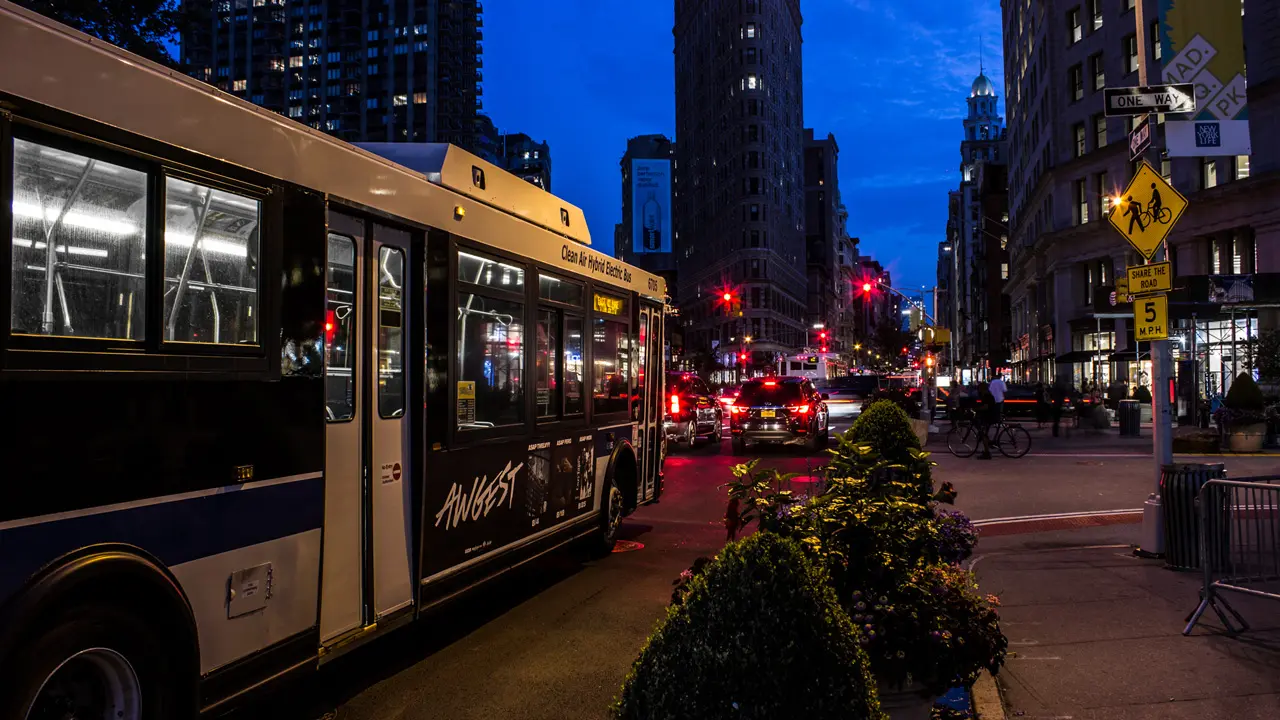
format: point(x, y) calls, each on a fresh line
point(817, 366)
point(273, 396)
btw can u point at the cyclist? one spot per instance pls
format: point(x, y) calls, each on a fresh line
point(1156, 203)
point(985, 414)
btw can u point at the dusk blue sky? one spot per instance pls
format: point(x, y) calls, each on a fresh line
point(888, 77)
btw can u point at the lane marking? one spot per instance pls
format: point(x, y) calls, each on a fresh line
point(1054, 516)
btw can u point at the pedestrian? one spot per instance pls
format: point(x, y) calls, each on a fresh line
point(1058, 397)
point(1135, 215)
point(1042, 404)
point(984, 417)
point(998, 389)
point(1115, 393)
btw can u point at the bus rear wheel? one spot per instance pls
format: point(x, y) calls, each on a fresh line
point(97, 662)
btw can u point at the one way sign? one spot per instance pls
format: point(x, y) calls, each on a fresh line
point(1179, 98)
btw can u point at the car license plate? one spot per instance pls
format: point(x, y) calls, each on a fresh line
point(768, 413)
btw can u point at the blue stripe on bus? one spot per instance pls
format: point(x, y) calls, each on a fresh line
point(175, 532)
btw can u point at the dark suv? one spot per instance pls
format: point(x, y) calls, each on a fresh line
point(780, 410)
point(692, 411)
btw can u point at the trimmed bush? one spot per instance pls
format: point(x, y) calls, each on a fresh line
point(759, 635)
point(887, 428)
point(1245, 395)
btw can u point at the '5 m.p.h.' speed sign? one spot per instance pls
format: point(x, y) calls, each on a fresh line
point(1151, 318)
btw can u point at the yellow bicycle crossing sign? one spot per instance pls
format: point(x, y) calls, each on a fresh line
point(1147, 210)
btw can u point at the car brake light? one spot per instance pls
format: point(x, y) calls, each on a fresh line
point(735, 409)
point(770, 383)
point(675, 404)
point(801, 409)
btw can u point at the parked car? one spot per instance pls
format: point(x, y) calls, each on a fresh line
point(784, 410)
point(692, 411)
point(847, 393)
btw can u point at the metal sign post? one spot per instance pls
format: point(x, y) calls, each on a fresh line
point(1161, 362)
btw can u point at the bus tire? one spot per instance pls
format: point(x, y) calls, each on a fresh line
point(102, 644)
point(612, 507)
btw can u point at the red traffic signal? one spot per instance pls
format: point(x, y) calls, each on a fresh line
point(866, 287)
point(742, 357)
point(728, 297)
point(330, 325)
point(822, 335)
point(824, 348)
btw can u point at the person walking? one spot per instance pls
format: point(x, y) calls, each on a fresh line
point(1058, 397)
point(1135, 214)
point(998, 389)
point(1042, 405)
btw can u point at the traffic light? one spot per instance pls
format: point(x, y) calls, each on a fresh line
point(928, 361)
point(866, 287)
point(822, 336)
point(824, 348)
point(728, 297)
point(743, 358)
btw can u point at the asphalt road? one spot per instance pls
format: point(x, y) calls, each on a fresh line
point(555, 639)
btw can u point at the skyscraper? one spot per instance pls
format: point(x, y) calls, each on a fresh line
point(363, 70)
point(646, 207)
point(977, 233)
point(739, 187)
point(528, 159)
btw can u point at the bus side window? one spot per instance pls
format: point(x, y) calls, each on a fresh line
point(87, 218)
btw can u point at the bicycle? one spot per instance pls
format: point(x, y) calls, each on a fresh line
point(963, 439)
point(1162, 216)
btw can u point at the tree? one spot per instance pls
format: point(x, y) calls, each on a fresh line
point(145, 27)
point(1268, 354)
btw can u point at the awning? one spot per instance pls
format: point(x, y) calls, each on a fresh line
point(1081, 356)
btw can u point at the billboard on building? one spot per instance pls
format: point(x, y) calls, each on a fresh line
point(1202, 42)
point(650, 206)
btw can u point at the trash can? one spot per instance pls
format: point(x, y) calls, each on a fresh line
point(1179, 485)
point(1129, 418)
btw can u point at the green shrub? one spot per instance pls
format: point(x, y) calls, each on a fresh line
point(887, 429)
point(1245, 395)
point(759, 635)
point(889, 558)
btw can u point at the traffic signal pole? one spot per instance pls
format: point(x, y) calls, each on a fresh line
point(1161, 363)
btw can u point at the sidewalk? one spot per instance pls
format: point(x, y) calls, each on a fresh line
point(1091, 440)
point(1095, 634)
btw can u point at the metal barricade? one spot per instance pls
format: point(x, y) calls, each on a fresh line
point(1239, 545)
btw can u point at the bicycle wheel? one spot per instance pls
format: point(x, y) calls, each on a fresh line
point(1014, 442)
point(962, 440)
point(1164, 216)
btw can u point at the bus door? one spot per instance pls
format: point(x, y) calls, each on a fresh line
point(366, 562)
point(649, 337)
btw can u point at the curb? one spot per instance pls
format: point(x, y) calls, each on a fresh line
point(986, 698)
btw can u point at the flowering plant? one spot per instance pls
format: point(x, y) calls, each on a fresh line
point(957, 536)
point(932, 629)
